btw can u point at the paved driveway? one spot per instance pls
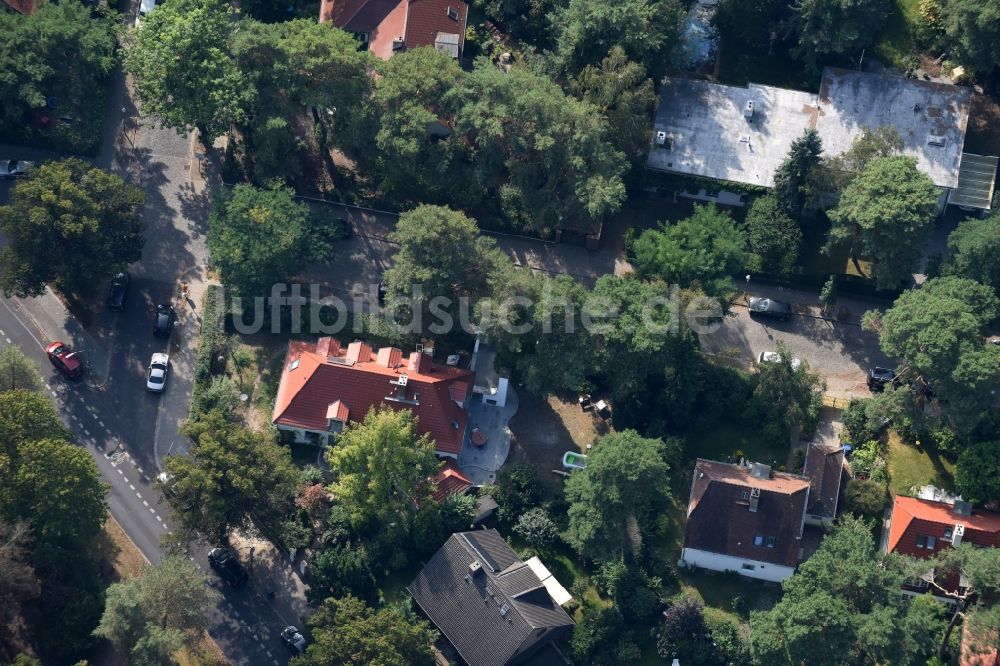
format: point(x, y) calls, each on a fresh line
point(840, 351)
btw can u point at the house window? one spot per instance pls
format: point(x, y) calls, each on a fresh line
point(769, 542)
point(921, 541)
point(758, 540)
point(294, 364)
point(918, 583)
point(748, 567)
point(745, 494)
point(930, 542)
point(947, 533)
point(452, 13)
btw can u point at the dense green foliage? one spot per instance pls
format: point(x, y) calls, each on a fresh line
point(345, 632)
point(230, 476)
point(441, 257)
point(840, 170)
point(773, 235)
point(704, 251)
point(615, 501)
point(70, 225)
point(17, 371)
point(938, 330)
point(843, 604)
point(149, 618)
point(259, 237)
point(973, 28)
point(884, 214)
point(826, 28)
point(795, 179)
point(209, 92)
point(977, 473)
point(380, 468)
point(786, 397)
point(973, 251)
point(59, 51)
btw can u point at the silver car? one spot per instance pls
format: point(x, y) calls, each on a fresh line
point(156, 375)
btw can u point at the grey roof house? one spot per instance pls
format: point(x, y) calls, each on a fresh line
point(824, 466)
point(492, 607)
point(742, 134)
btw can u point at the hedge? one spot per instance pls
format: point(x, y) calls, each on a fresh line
point(211, 340)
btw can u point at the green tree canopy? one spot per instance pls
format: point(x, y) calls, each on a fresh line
point(974, 251)
point(615, 501)
point(585, 31)
point(207, 91)
point(839, 171)
point(786, 396)
point(773, 235)
point(704, 250)
point(17, 371)
point(148, 618)
point(524, 19)
point(546, 154)
point(884, 214)
point(938, 331)
point(826, 29)
point(56, 487)
point(18, 582)
point(411, 97)
point(843, 606)
point(345, 632)
point(442, 252)
point(259, 237)
point(60, 49)
point(625, 95)
point(70, 225)
point(796, 177)
point(381, 467)
point(228, 474)
point(973, 29)
point(977, 473)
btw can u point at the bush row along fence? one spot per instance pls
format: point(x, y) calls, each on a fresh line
point(212, 340)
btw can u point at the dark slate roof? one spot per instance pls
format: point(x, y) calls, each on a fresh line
point(719, 517)
point(490, 615)
point(824, 467)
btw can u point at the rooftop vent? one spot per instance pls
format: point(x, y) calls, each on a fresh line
point(962, 508)
point(748, 110)
point(754, 499)
point(935, 140)
point(664, 141)
point(504, 610)
point(475, 567)
point(760, 471)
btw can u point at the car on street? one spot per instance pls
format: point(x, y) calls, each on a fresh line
point(65, 360)
point(768, 307)
point(293, 639)
point(164, 320)
point(775, 357)
point(156, 374)
point(227, 566)
point(15, 168)
point(119, 291)
point(879, 377)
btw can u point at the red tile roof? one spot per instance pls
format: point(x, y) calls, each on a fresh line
point(450, 481)
point(26, 7)
point(427, 18)
point(314, 379)
point(912, 517)
point(418, 22)
point(720, 521)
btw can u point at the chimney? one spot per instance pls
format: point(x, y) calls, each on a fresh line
point(475, 567)
point(760, 471)
point(956, 534)
point(420, 363)
point(754, 499)
point(961, 508)
point(389, 357)
point(328, 347)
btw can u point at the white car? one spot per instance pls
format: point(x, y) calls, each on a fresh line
point(15, 168)
point(145, 7)
point(775, 357)
point(156, 375)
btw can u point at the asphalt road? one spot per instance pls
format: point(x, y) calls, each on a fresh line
point(128, 430)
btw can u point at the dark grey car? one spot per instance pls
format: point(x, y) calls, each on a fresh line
point(768, 307)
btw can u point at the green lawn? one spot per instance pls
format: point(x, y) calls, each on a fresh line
point(910, 467)
point(728, 442)
point(895, 42)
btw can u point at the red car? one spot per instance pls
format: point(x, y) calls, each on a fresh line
point(64, 360)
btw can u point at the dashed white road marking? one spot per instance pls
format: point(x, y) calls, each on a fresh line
point(54, 394)
point(236, 613)
point(139, 495)
point(151, 510)
point(268, 652)
point(145, 503)
point(86, 432)
point(8, 341)
point(159, 520)
point(131, 487)
point(121, 472)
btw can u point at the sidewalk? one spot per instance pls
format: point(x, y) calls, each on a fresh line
point(48, 318)
point(272, 576)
